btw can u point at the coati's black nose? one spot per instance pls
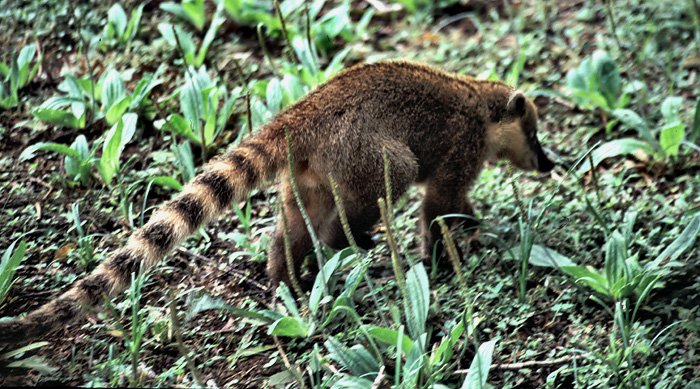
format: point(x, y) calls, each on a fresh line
point(544, 164)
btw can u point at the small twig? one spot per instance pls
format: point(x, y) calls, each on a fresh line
point(181, 346)
point(266, 52)
point(380, 377)
point(292, 369)
point(291, 268)
point(523, 365)
point(234, 272)
point(452, 252)
point(285, 34)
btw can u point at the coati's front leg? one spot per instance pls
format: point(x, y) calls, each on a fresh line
point(443, 200)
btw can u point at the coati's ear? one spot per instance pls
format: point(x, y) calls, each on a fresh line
point(516, 104)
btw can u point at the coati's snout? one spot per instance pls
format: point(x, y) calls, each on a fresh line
point(515, 137)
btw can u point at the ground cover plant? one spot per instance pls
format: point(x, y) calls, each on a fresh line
point(588, 276)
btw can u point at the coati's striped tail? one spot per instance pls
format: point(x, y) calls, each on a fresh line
point(229, 177)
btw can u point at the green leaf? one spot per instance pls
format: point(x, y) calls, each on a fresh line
point(390, 337)
point(22, 350)
point(608, 76)
point(588, 276)
point(352, 383)
point(216, 22)
point(418, 300)
point(28, 153)
point(117, 18)
point(168, 182)
point(112, 89)
point(615, 148)
point(322, 278)
point(541, 256)
point(8, 266)
point(191, 104)
point(133, 26)
point(671, 108)
point(115, 112)
point(633, 121)
point(75, 166)
point(479, 369)
point(194, 9)
point(274, 95)
point(289, 326)
point(671, 137)
point(23, 61)
point(178, 125)
point(695, 133)
point(684, 241)
point(51, 111)
point(115, 141)
point(443, 352)
point(355, 359)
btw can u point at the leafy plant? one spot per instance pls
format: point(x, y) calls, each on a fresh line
point(660, 145)
point(180, 39)
point(80, 158)
point(16, 75)
point(11, 259)
point(202, 119)
point(191, 10)
point(119, 30)
point(81, 96)
point(596, 83)
point(623, 276)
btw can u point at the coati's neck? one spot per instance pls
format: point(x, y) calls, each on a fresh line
point(495, 95)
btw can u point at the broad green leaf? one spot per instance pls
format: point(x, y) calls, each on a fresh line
point(112, 89)
point(290, 327)
point(633, 121)
point(608, 76)
point(117, 18)
point(389, 337)
point(216, 22)
point(479, 369)
point(322, 278)
point(28, 153)
point(443, 352)
point(274, 95)
point(684, 241)
point(178, 125)
point(168, 182)
point(352, 383)
point(133, 26)
point(418, 300)
point(74, 166)
point(671, 137)
point(541, 256)
point(115, 112)
point(22, 350)
point(115, 141)
point(23, 61)
point(616, 148)
point(414, 362)
point(588, 276)
point(695, 133)
point(194, 9)
point(671, 107)
point(8, 266)
point(356, 359)
point(191, 104)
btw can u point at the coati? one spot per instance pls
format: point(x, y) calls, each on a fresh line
point(436, 128)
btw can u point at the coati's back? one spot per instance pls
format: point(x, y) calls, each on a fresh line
point(334, 129)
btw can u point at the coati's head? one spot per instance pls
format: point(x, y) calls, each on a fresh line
point(514, 137)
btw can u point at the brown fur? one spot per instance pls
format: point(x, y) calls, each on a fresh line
point(436, 128)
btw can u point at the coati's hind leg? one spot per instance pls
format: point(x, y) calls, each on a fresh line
point(317, 204)
point(361, 184)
